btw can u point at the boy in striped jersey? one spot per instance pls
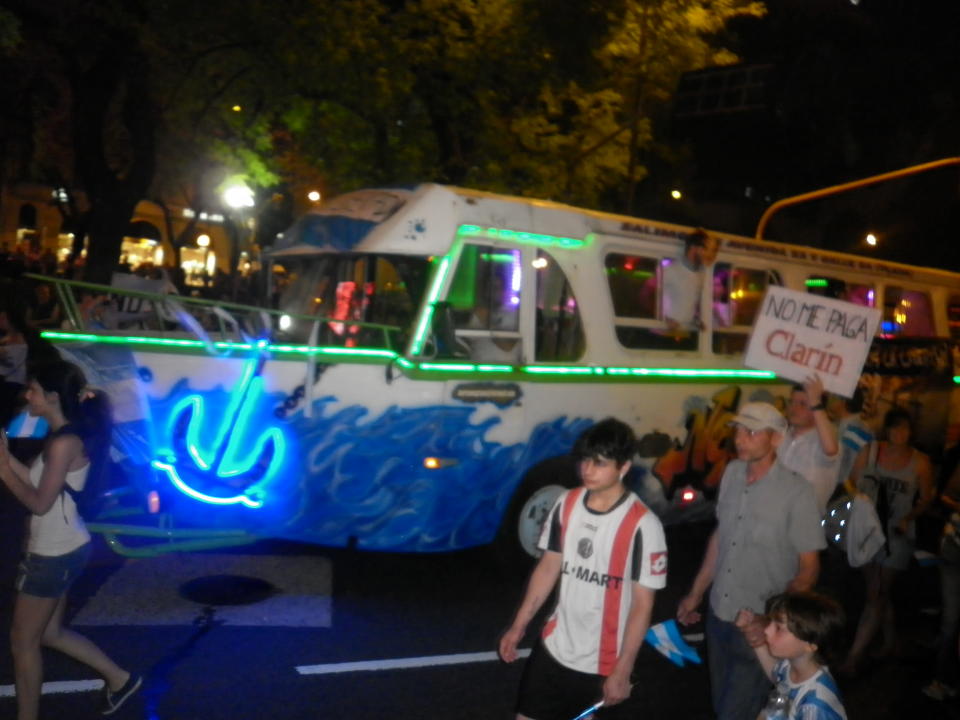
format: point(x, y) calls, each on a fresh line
point(609, 553)
point(804, 629)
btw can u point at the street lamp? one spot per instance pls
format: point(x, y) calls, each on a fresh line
point(314, 196)
point(871, 240)
point(238, 196)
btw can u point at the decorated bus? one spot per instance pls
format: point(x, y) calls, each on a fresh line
point(424, 359)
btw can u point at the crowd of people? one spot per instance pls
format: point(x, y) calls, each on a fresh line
point(773, 631)
point(774, 628)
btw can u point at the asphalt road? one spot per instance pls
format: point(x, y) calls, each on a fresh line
point(345, 634)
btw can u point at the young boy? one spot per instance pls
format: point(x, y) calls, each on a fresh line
point(609, 553)
point(803, 629)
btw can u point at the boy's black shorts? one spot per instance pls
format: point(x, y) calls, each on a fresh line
point(551, 691)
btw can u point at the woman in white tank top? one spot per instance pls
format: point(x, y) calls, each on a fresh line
point(58, 543)
point(899, 480)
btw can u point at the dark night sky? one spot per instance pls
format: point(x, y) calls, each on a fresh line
point(857, 90)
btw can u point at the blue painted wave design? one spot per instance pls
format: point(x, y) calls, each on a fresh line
point(366, 479)
point(348, 476)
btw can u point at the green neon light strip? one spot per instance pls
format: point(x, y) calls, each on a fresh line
point(816, 282)
point(691, 372)
point(439, 278)
point(456, 367)
point(464, 367)
point(956, 379)
point(184, 343)
point(525, 238)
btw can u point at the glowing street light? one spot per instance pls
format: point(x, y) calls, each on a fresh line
point(238, 196)
point(676, 194)
point(203, 240)
point(871, 240)
point(314, 196)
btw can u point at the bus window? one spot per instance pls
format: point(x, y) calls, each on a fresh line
point(737, 293)
point(906, 313)
point(485, 298)
point(633, 285)
point(381, 289)
point(559, 330)
point(636, 285)
point(953, 316)
point(841, 290)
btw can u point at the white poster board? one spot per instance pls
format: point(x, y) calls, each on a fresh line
point(796, 335)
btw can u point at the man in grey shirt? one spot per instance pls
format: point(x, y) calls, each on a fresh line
point(766, 542)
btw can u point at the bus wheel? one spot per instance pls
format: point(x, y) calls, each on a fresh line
point(516, 543)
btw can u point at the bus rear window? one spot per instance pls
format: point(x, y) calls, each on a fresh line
point(953, 316)
point(906, 313)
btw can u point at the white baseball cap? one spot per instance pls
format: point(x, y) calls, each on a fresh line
point(760, 416)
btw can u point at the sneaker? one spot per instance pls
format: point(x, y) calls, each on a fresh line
point(113, 700)
point(939, 691)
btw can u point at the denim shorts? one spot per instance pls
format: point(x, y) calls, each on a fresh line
point(49, 576)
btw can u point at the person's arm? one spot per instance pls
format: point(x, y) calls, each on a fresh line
point(616, 688)
point(6, 459)
point(687, 612)
point(542, 580)
point(747, 620)
point(850, 483)
point(826, 432)
point(808, 570)
point(56, 462)
point(927, 493)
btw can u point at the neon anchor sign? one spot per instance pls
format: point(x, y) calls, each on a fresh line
point(233, 468)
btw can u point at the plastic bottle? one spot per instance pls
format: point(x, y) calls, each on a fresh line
point(778, 706)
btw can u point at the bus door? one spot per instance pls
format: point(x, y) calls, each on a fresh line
point(489, 306)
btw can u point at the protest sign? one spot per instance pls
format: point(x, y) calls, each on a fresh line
point(796, 335)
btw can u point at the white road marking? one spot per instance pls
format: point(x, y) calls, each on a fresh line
point(420, 662)
point(75, 686)
point(402, 663)
point(63, 686)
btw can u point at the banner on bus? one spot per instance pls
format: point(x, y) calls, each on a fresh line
point(796, 335)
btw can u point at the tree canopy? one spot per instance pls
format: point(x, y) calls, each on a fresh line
point(131, 100)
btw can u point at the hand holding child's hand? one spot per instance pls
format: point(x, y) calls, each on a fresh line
point(751, 625)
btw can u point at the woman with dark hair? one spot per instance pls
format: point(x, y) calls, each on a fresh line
point(58, 543)
point(21, 346)
point(899, 480)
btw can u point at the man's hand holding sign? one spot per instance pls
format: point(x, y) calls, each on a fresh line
point(797, 335)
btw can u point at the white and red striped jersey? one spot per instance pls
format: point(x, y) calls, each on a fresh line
point(602, 554)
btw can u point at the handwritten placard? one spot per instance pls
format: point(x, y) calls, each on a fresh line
point(796, 335)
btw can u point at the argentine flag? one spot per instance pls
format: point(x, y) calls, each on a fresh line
point(666, 639)
point(25, 425)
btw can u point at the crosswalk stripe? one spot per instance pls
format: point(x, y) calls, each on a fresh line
point(75, 686)
point(402, 663)
point(62, 686)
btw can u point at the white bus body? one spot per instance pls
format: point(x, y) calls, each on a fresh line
point(516, 324)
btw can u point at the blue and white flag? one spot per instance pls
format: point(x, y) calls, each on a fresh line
point(855, 437)
point(26, 425)
point(666, 639)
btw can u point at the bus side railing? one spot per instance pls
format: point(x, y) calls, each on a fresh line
point(173, 316)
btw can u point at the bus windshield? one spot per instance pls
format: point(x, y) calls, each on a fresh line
point(368, 288)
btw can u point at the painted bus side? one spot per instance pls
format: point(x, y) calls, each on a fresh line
point(418, 437)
